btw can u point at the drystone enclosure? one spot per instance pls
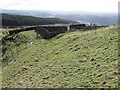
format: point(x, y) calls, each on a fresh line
point(48, 31)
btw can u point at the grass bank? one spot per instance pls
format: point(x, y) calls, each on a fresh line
point(86, 59)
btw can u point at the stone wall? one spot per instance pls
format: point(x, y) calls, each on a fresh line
point(47, 32)
point(77, 26)
point(50, 31)
point(42, 33)
point(15, 31)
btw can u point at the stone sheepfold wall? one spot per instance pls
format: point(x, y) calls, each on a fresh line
point(51, 31)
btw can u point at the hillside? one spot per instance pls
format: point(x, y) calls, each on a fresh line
point(84, 59)
point(99, 18)
point(21, 20)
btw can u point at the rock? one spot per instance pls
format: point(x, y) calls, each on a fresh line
point(92, 59)
point(46, 77)
point(36, 60)
point(24, 62)
point(57, 52)
point(31, 42)
point(99, 75)
point(24, 68)
point(106, 48)
point(98, 65)
point(30, 64)
point(104, 83)
point(75, 49)
point(70, 48)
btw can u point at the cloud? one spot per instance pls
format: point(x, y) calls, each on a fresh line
point(62, 5)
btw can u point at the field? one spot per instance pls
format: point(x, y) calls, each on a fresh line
point(82, 59)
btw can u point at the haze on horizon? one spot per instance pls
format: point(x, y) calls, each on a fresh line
point(61, 5)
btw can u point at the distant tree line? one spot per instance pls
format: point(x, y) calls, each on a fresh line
point(20, 20)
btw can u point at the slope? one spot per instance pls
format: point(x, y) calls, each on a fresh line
point(86, 59)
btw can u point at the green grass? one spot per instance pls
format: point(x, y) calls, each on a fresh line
point(84, 59)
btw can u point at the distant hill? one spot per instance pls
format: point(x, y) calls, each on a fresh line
point(97, 19)
point(20, 20)
point(81, 16)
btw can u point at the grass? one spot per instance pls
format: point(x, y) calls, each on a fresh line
point(84, 59)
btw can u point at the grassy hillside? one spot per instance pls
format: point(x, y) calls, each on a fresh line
point(21, 20)
point(86, 59)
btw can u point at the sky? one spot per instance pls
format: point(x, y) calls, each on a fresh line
point(62, 5)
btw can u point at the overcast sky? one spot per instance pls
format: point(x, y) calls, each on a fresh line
point(62, 5)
